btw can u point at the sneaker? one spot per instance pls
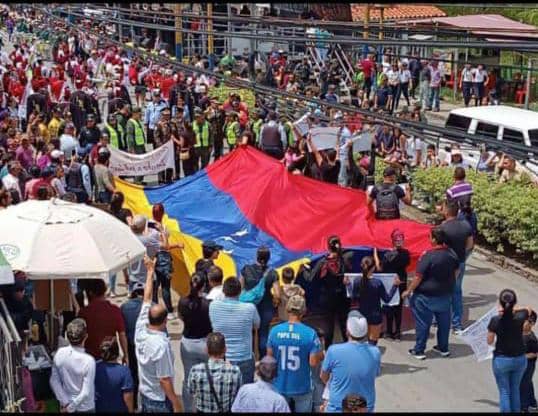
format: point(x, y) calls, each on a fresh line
point(438, 351)
point(417, 355)
point(457, 331)
point(397, 337)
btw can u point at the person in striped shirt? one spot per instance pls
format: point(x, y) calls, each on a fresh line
point(235, 320)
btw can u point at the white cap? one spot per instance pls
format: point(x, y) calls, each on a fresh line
point(56, 154)
point(356, 325)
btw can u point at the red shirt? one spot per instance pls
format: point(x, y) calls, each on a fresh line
point(38, 184)
point(166, 86)
point(103, 319)
point(367, 67)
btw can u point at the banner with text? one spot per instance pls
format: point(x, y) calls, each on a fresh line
point(386, 278)
point(476, 336)
point(151, 163)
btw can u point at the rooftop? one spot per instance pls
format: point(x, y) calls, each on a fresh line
point(396, 12)
point(512, 117)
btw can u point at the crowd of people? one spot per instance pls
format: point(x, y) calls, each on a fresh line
point(58, 121)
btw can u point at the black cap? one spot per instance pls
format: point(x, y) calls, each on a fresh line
point(389, 172)
point(210, 244)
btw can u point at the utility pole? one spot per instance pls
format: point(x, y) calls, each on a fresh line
point(365, 34)
point(229, 40)
point(179, 33)
point(528, 86)
point(455, 86)
point(210, 28)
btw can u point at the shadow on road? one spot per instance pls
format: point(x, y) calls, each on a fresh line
point(477, 271)
point(487, 401)
point(391, 368)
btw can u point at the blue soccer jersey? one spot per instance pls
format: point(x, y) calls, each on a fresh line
point(292, 345)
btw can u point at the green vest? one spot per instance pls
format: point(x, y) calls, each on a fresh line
point(140, 139)
point(114, 140)
point(257, 128)
point(289, 131)
point(230, 132)
point(202, 137)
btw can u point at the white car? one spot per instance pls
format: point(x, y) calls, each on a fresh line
point(500, 122)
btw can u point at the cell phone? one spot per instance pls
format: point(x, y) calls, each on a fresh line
point(153, 225)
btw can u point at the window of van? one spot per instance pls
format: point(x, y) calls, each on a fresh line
point(458, 122)
point(485, 129)
point(513, 136)
point(533, 137)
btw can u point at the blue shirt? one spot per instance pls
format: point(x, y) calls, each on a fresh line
point(292, 345)
point(259, 397)
point(153, 113)
point(235, 321)
point(111, 381)
point(354, 367)
point(130, 311)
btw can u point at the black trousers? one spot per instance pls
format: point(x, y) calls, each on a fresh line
point(338, 309)
point(403, 88)
point(467, 90)
point(526, 388)
point(414, 87)
point(217, 149)
point(201, 157)
point(163, 280)
point(133, 366)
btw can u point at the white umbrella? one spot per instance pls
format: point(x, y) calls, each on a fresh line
point(60, 240)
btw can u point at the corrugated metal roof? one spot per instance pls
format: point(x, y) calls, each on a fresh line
point(479, 21)
point(396, 13)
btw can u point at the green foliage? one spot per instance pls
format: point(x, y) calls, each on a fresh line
point(507, 213)
point(524, 15)
point(222, 92)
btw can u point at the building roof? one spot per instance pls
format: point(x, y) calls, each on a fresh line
point(396, 12)
point(511, 117)
point(478, 21)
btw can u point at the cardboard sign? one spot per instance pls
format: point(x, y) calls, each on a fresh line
point(476, 336)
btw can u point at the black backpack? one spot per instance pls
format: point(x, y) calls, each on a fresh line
point(387, 203)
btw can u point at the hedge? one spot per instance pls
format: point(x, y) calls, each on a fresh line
point(507, 213)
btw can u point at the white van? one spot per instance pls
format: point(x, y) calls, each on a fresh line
point(509, 124)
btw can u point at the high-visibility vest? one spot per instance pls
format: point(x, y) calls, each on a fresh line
point(289, 131)
point(230, 132)
point(113, 134)
point(202, 134)
point(257, 128)
point(140, 139)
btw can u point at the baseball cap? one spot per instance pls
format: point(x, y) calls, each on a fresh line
point(297, 304)
point(389, 172)
point(267, 367)
point(338, 115)
point(136, 110)
point(104, 151)
point(56, 154)
point(156, 92)
point(76, 330)
point(210, 244)
point(138, 287)
point(356, 325)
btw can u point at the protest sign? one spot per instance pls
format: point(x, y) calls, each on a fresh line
point(476, 336)
point(128, 164)
point(386, 278)
point(302, 124)
point(324, 137)
point(362, 142)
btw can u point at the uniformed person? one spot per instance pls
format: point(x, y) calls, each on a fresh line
point(164, 131)
point(203, 140)
point(232, 130)
point(256, 125)
point(115, 132)
point(89, 134)
point(135, 136)
point(215, 115)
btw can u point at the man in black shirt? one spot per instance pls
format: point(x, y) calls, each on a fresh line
point(459, 235)
point(210, 251)
point(432, 290)
point(387, 196)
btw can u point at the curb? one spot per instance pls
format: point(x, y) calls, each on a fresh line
point(499, 260)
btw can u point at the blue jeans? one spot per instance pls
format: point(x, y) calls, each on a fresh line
point(193, 351)
point(112, 282)
point(457, 299)
point(247, 370)
point(508, 373)
point(156, 406)
point(342, 175)
point(433, 100)
point(527, 388)
point(104, 197)
point(302, 402)
point(424, 308)
point(266, 311)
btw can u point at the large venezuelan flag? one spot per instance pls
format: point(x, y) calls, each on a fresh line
point(247, 199)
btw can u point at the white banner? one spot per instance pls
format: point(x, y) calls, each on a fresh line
point(386, 278)
point(477, 334)
point(324, 137)
point(362, 142)
point(302, 124)
point(128, 164)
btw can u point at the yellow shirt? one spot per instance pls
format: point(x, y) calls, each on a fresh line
point(54, 126)
point(44, 132)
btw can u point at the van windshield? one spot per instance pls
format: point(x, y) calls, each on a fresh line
point(533, 137)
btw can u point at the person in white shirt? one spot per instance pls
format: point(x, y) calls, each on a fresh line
point(393, 77)
point(11, 180)
point(215, 277)
point(466, 83)
point(480, 79)
point(404, 77)
point(73, 372)
point(68, 142)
